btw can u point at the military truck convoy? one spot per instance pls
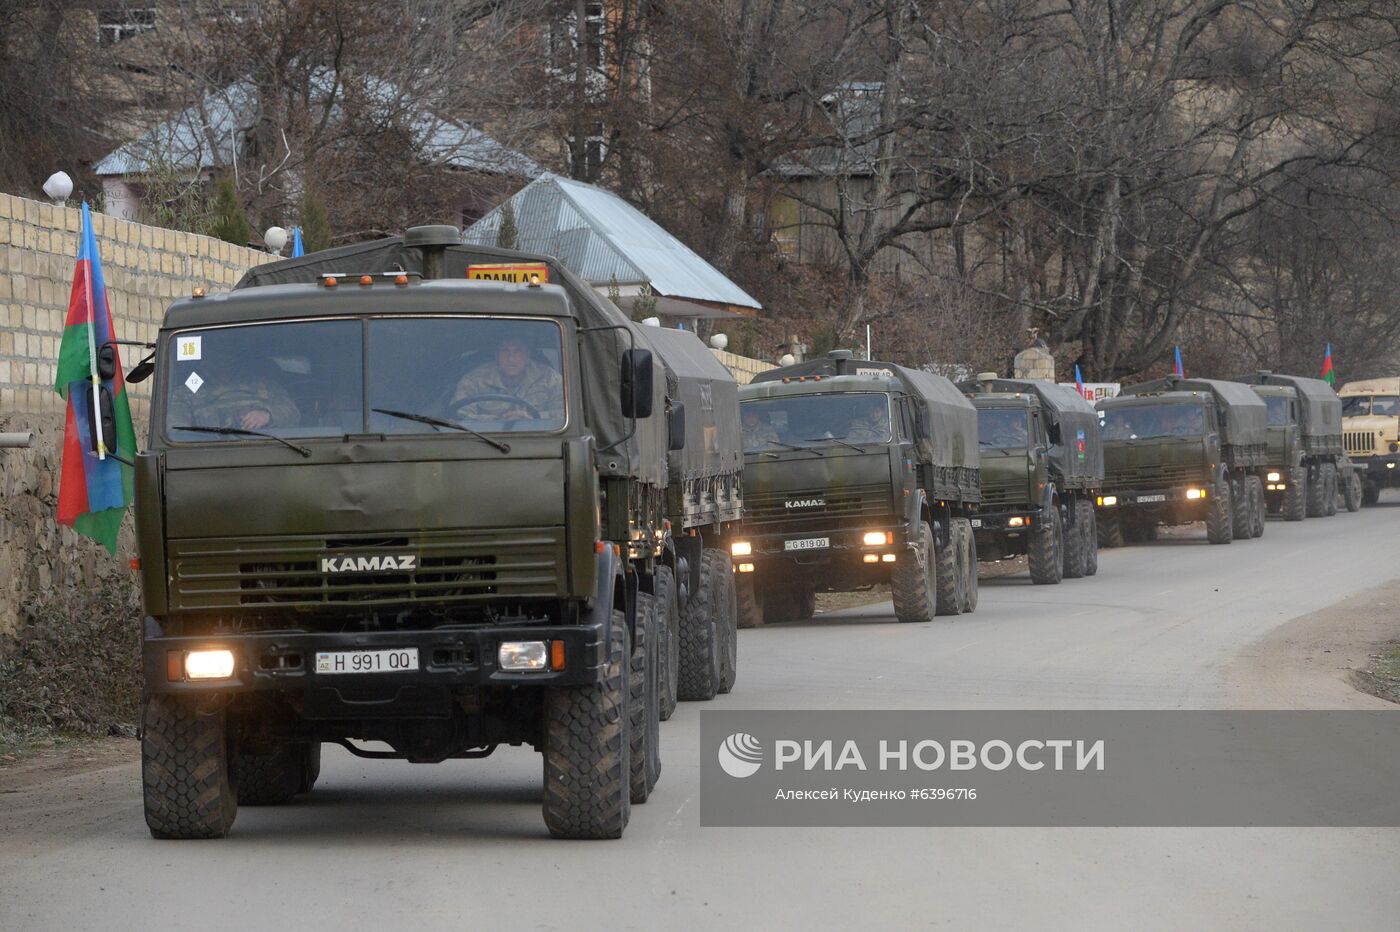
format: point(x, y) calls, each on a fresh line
point(1306, 466)
point(856, 472)
point(382, 503)
point(1042, 468)
point(1371, 433)
point(1182, 450)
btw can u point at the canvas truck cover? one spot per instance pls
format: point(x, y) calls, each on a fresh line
point(694, 377)
point(1246, 414)
point(1319, 409)
point(951, 417)
point(642, 456)
point(1074, 422)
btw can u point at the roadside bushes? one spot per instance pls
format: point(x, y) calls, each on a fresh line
point(74, 665)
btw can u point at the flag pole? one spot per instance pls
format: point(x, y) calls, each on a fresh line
point(96, 415)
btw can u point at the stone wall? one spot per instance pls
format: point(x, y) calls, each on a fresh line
point(146, 268)
point(742, 367)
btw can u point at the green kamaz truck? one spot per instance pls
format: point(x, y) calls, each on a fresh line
point(856, 473)
point(384, 503)
point(1178, 451)
point(1307, 466)
point(1042, 468)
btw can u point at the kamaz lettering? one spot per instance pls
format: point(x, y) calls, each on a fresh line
point(805, 503)
point(369, 564)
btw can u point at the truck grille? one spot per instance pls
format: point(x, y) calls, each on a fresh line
point(853, 502)
point(286, 573)
point(1125, 476)
point(1361, 441)
point(1003, 492)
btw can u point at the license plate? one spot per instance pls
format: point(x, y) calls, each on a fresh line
point(397, 660)
point(976, 522)
point(808, 543)
point(1151, 498)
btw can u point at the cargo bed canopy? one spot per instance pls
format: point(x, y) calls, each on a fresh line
point(1246, 416)
point(694, 377)
point(1319, 408)
point(1071, 420)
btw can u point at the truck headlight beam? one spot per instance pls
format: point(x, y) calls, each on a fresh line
point(741, 548)
point(209, 664)
point(523, 656)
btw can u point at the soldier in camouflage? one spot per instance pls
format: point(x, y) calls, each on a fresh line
point(874, 425)
point(512, 372)
point(757, 430)
point(249, 403)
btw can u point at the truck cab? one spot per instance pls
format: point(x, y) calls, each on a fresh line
point(1371, 433)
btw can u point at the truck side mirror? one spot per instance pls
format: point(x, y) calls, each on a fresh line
point(102, 422)
point(923, 430)
point(636, 383)
point(676, 437)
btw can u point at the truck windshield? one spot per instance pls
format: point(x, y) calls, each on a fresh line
point(1141, 422)
point(1360, 405)
point(327, 378)
point(1278, 410)
point(1002, 427)
point(855, 417)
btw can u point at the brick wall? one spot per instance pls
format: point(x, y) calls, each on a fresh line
point(146, 268)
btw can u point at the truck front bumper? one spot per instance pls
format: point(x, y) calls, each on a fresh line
point(771, 551)
point(1381, 470)
point(447, 657)
point(1177, 496)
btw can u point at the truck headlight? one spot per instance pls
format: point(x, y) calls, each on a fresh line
point(1195, 493)
point(1017, 521)
point(877, 538)
point(1274, 477)
point(1108, 501)
point(523, 656)
point(209, 664)
point(741, 548)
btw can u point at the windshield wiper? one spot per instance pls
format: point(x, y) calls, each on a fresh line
point(242, 432)
point(442, 422)
point(797, 446)
point(841, 440)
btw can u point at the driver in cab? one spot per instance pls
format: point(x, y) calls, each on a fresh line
point(509, 386)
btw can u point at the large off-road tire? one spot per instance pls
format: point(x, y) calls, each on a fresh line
point(1329, 476)
point(1240, 518)
point(669, 645)
point(948, 573)
point(1109, 528)
point(729, 653)
point(912, 583)
point(1317, 493)
point(1219, 514)
point(969, 594)
point(1258, 509)
point(644, 703)
point(1295, 498)
point(1075, 544)
point(1351, 491)
point(1370, 493)
point(701, 637)
point(587, 765)
point(269, 774)
point(1091, 536)
point(186, 781)
point(805, 598)
point(750, 599)
point(1046, 546)
point(311, 772)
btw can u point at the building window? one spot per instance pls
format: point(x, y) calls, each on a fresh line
point(240, 13)
point(117, 24)
point(564, 40)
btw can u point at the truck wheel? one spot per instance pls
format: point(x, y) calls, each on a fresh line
point(311, 772)
point(644, 703)
point(912, 582)
point(1317, 494)
point(1074, 544)
point(269, 774)
point(1295, 497)
point(1370, 493)
point(1329, 474)
point(586, 750)
point(948, 573)
point(1046, 544)
point(1240, 518)
point(701, 638)
point(729, 655)
point(1257, 506)
point(969, 600)
point(186, 786)
point(669, 644)
point(750, 601)
point(1091, 537)
point(1219, 511)
point(805, 598)
point(1351, 492)
point(1110, 530)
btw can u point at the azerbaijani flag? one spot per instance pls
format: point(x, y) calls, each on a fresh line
point(1328, 375)
point(93, 491)
point(1079, 380)
point(1180, 369)
point(297, 248)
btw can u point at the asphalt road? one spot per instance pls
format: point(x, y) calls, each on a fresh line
point(461, 845)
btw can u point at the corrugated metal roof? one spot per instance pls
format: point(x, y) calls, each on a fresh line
point(603, 239)
point(206, 136)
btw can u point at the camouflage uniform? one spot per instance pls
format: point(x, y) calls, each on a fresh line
point(223, 405)
point(762, 432)
point(866, 430)
point(539, 385)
